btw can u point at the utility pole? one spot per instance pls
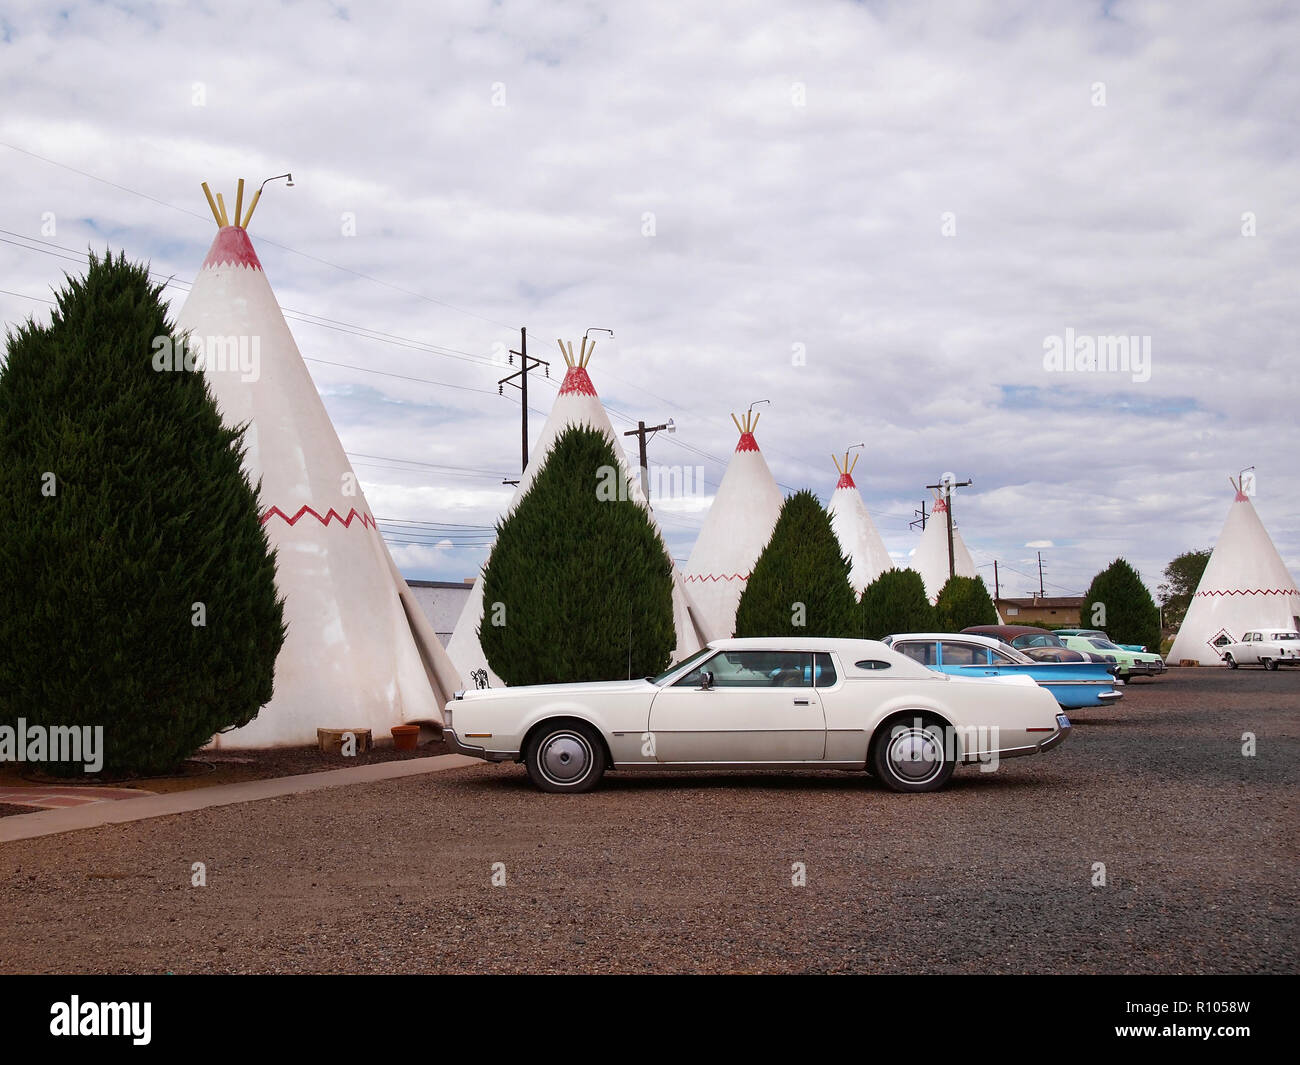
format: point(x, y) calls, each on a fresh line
point(920, 520)
point(1041, 593)
point(996, 593)
point(527, 362)
point(948, 484)
point(644, 433)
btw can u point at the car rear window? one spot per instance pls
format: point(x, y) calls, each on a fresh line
point(917, 652)
point(826, 676)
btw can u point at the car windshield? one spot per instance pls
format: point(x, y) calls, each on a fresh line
point(1105, 645)
point(1014, 655)
point(1036, 639)
point(703, 652)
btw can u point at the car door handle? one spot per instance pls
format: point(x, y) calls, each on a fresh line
point(803, 702)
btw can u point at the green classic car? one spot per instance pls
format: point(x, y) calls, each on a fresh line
point(1130, 663)
point(1101, 636)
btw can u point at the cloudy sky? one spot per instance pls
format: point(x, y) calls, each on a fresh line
point(875, 215)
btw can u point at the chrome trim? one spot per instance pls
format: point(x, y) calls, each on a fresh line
point(1109, 697)
point(1055, 741)
point(454, 742)
point(984, 756)
point(811, 764)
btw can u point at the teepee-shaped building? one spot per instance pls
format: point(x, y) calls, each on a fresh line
point(1245, 586)
point(735, 531)
point(931, 557)
point(359, 651)
point(576, 404)
point(853, 526)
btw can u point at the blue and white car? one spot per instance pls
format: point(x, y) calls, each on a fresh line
point(1074, 684)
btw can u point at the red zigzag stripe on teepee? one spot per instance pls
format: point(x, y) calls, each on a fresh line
point(717, 577)
point(330, 514)
point(1253, 591)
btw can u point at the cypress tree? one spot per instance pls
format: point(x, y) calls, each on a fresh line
point(1118, 602)
point(964, 601)
point(800, 583)
point(895, 602)
point(579, 586)
point(138, 590)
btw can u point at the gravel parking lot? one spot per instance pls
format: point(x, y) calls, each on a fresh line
point(694, 874)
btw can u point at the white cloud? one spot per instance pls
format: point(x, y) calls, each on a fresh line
point(776, 225)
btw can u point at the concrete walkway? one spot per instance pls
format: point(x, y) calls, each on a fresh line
point(92, 815)
point(55, 797)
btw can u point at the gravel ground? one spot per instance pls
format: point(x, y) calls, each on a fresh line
point(693, 874)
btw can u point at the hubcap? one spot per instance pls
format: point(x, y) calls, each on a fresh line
point(565, 757)
point(915, 755)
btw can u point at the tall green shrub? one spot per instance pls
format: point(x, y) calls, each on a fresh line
point(800, 583)
point(1118, 602)
point(964, 601)
point(578, 586)
point(895, 602)
point(138, 589)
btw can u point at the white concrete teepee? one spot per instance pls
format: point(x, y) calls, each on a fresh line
point(735, 531)
point(855, 530)
point(359, 651)
point(931, 557)
point(1246, 585)
point(576, 404)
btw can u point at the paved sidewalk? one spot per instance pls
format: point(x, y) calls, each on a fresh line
point(94, 814)
point(54, 796)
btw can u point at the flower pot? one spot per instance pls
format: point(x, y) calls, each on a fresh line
point(406, 737)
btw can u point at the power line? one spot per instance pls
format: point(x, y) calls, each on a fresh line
point(291, 313)
point(265, 240)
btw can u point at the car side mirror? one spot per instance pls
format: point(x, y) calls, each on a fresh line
point(706, 681)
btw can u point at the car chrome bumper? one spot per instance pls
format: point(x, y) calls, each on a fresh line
point(454, 742)
point(1056, 739)
point(1111, 696)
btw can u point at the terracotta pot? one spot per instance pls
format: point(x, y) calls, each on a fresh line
point(406, 737)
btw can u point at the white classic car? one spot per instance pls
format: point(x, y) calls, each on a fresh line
point(1269, 648)
point(763, 704)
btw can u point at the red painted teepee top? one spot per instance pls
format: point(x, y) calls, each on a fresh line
point(232, 248)
point(577, 382)
point(746, 426)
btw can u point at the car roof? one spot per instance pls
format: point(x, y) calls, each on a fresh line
point(798, 643)
point(1009, 630)
point(963, 637)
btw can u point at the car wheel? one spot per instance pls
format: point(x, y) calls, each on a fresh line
point(910, 754)
point(1270, 663)
point(1232, 662)
point(565, 756)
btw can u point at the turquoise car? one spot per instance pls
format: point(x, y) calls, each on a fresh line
point(1076, 685)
